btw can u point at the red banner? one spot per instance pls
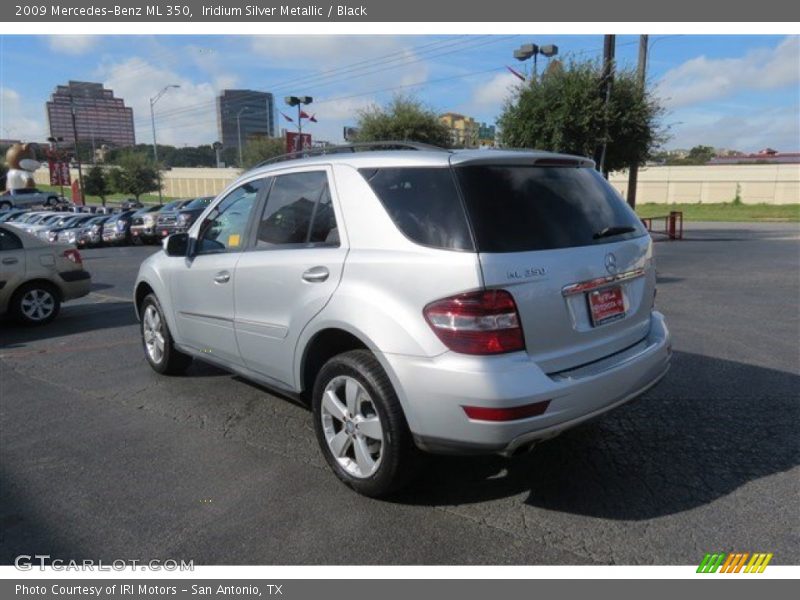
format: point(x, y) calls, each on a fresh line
point(59, 172)
point(295, 142)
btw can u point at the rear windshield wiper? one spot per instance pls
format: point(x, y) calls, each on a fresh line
point(613, 230)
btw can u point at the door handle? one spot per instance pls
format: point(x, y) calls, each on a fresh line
point(222, 277)
point(316, 275)
point(10, 260)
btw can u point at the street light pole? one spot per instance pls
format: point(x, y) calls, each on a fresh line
point(153, 101)
point(239, 131)
point(299, 101)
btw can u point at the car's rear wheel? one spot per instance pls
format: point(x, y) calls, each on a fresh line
point(35, 303)
point(159, 348)
point(51, 201)
point(360, 425)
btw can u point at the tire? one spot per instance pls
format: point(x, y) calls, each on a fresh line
point(35, 303)
point(51, 201)
point(370, 466)
point(6, 205)
point(159, 347)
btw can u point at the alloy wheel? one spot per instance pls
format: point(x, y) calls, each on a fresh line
point(352, 426)
point(37, 304)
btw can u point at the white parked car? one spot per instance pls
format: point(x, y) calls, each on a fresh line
point(420, 299)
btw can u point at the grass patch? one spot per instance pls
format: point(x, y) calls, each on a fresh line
point(110, 199)
point(725, 211)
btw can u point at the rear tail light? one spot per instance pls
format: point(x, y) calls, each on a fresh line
point(485, 322)
point(73, 255)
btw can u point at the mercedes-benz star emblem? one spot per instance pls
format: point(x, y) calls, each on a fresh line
point(611, 263)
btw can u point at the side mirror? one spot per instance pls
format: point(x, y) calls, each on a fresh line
point(177, 244)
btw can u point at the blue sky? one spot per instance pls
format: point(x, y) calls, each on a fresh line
point(739, 92)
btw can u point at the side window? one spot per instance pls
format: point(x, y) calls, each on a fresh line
point(9, 241)
point(298, 211)
point(225, 228)
point(424, 205)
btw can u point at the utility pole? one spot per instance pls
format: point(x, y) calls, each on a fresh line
point(641, 74)
point(75, 138)
point(609, 46)
point(239, 132)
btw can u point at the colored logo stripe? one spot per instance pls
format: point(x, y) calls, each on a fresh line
point(734, 562)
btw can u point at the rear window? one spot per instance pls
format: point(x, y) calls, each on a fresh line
point(423, 203)
point(522, 208)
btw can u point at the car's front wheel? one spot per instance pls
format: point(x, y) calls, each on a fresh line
point(159, 348)
point(5, 205)
point(35, 303)
point(51, 201)
point(360, 425)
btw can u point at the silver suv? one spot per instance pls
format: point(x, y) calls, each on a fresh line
point(419, 299)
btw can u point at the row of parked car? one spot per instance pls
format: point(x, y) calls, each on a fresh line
point(85, 229)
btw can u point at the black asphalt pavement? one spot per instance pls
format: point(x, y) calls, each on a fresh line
point(102, 458)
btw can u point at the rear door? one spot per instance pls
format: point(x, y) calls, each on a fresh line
point(575, 257)
point(289, 272)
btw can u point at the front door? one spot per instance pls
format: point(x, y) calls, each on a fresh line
point(202, 285)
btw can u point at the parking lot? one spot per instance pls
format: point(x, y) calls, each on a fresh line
point(101, 458)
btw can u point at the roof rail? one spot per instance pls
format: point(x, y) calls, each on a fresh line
point(355, 147)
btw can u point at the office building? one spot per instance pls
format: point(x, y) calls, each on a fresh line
point(100, 118)
point(256, 115)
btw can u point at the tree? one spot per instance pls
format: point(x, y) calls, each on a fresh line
point(134, 175)
point(565, 111)
point(95, 183)
point(260, 148)
point(404, 118)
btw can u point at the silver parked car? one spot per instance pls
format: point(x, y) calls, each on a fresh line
point(28, 197)
point(420, 299)
point(36, 277)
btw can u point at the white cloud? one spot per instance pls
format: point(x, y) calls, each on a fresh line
point(72, 44)
point(749, 132)
point(186, 115)
point(18, 120)
point(494, 93)
point(701, 79)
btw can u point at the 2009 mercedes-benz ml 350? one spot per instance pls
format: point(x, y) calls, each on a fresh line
point(422, 300)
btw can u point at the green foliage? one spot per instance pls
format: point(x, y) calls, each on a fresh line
point(566, 111)
point(737, 199)
point(95, 183)
point(170, 156)
point(261, 148)
point(135, 175)
point(404, 118)
point(699, 155)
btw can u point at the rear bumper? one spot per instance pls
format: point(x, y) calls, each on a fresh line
point(76, 284)
point(435, 390)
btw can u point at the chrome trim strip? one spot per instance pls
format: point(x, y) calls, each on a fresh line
point(193, 315)
point(600, 282)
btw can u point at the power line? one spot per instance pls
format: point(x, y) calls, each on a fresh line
point(373, 67)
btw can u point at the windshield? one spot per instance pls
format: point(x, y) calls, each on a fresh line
point(198, 203)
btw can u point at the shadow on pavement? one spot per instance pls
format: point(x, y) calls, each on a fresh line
point(74, 319)
point(710, 427)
